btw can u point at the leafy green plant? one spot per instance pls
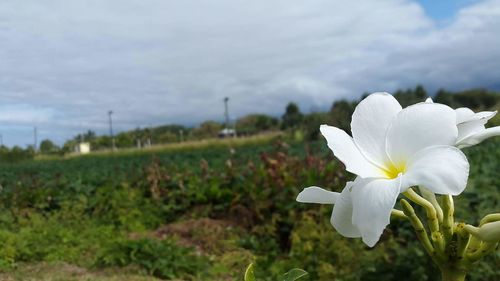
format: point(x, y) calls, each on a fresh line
point(292, 275)
point(86, 210)
point(161, 258)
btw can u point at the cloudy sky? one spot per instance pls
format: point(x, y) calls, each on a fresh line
point(64, 64)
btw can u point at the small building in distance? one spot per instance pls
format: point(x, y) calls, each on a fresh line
point(82, 148)
point(227, 133)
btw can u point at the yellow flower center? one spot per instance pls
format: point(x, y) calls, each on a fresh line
point(393, 170)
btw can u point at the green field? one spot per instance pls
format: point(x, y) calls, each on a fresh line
point(204, 212)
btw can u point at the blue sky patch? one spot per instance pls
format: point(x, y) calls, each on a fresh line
point(443, 10)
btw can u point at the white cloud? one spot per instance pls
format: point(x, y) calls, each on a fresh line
point(156, 62)
point(24, 114)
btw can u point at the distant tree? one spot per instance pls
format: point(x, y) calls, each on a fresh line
point(292, 117)
point(207, 129)
point(340, 114)
point(16, 154)
point(167, 133)
point(478, 99)
point(89, 135)
point(420, 92)
point(124, 139)
point(167, 137)
point(48, 147)
point(3, 149)
point(102, 142)
point(85, 137)
point(312, 122)
point(255, 123)
point(69, 146)
point(409, 96)
point(444, 97)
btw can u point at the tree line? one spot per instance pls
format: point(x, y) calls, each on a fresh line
point(304, 125)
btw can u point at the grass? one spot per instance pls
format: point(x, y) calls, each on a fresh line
point(60, 271)
point(173, 147)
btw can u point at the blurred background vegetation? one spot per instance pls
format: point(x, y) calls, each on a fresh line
point(205, 210)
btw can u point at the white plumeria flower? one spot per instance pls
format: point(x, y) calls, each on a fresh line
point(471, 129)
point(391, 150)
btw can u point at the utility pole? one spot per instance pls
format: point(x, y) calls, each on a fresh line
point(111, 130)
point(234, 128)
point(226, 112)
point(35, 139)
point(150, 134)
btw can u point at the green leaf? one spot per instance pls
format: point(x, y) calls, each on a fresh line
point(249, 274)
point(294, 274)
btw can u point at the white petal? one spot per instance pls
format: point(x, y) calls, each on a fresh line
point(317, 195)
point(429, 100)
point(419, 126)
point(369, 125)
point(470, 123)
point(441, 169)
point(373, 200)
point(465, 114)
point(342, 214)
point(479, 137)
point(485, 115)
point(345, 150)
point(467, 129)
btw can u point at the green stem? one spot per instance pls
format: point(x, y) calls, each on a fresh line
point(431, 197)
point(450, 274)
point(448, 220)
point(463, 239)
point(436, 235)
point(490, 218)
point(419, 229)
point(484, 249)
point(453, 247)
point(397, 214)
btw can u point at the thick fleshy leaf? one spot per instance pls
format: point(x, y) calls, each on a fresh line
point(345, 150)
point(369, 125)
point(419, 126)
point(373, 200)
point(479, 137)
point(317, 195)
point(441, 169)
point(342, 214)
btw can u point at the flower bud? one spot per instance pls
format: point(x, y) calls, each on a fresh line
point(489, 232)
